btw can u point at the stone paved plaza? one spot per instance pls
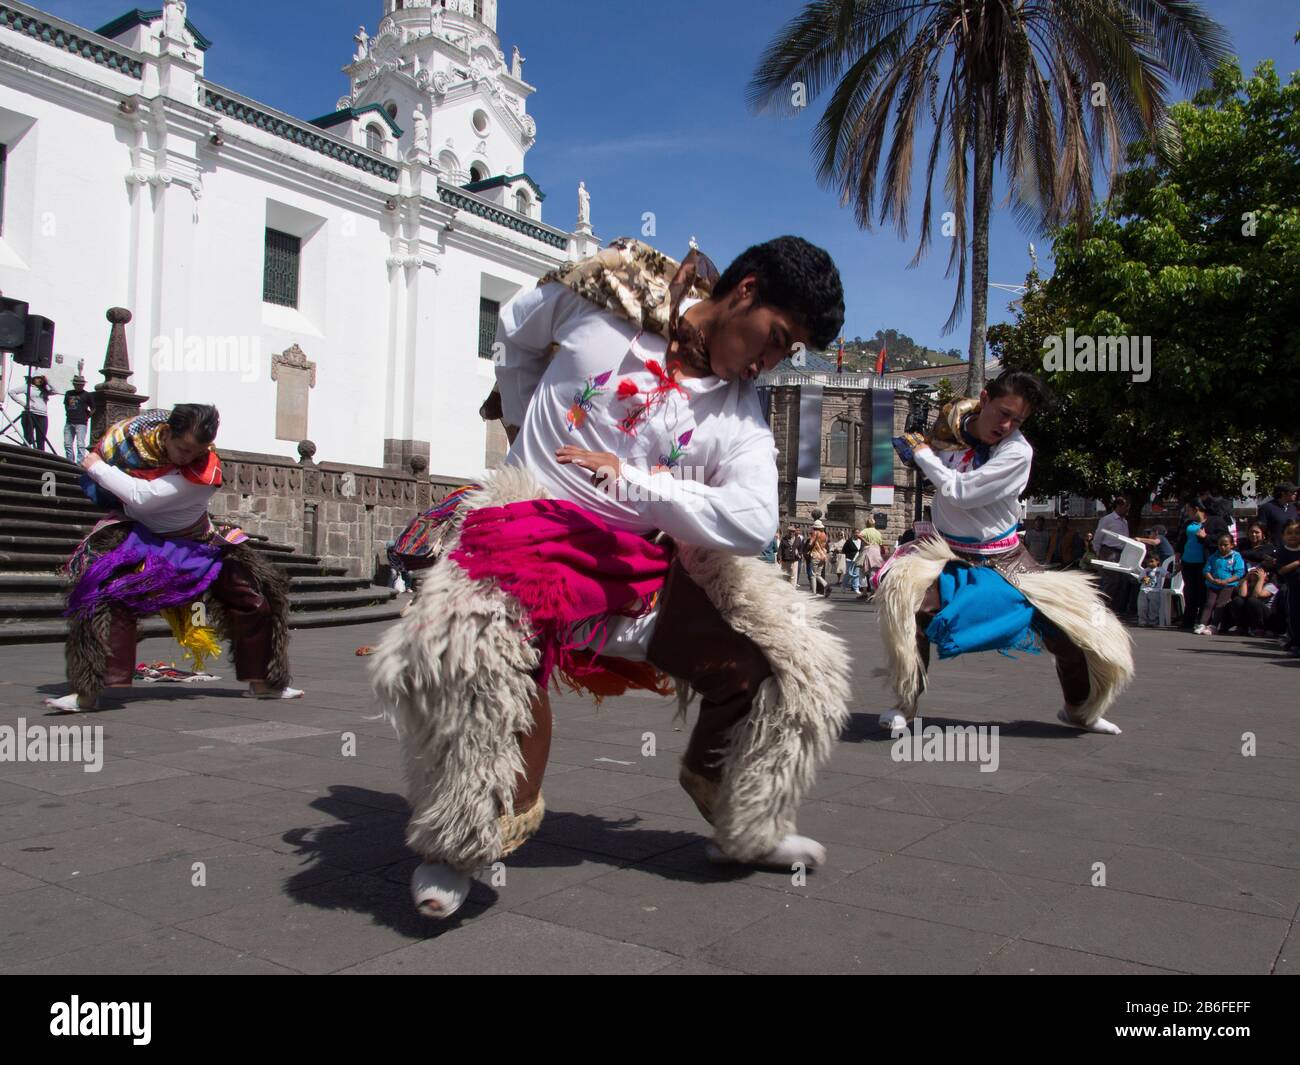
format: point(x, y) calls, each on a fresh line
point(933, 867)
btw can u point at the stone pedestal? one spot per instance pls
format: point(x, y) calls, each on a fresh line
point(115, 398)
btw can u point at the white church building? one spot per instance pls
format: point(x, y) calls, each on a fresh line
point(334, 279)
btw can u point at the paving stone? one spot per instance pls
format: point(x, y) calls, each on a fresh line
point(664, 909)
point(158, 953)
point(986, 900)
point(511, 944)
point(1161, 932)
point(815, 936)
point(47, 921)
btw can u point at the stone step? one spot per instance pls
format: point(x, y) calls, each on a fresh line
point(38, 562)
point(61, 515)
point(39, 527)
point(35, 483)
point(12, 584)
point(28, 457)
point(62, 504)
point(20, 471)
point(42, 544)
point(50, 605)
point(56, 630)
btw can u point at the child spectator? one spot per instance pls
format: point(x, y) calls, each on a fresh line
point(1149, 594)
point(1223, 572)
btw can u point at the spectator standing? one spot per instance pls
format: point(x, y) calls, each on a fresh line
point(1117, 587)
point(818, 550)
point(1192, 566)
point(1064, 546)
point(77, 407)
point(33, 396)
point(1037, 540)
point(788, 554)
point(1276, 512)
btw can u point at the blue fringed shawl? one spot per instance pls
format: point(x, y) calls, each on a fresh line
point(982, 611)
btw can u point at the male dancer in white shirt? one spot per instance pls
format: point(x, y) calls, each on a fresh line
point(652, 437)
point(979, 464)
point(163, 470)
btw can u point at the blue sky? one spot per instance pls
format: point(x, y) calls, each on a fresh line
point(646, 103)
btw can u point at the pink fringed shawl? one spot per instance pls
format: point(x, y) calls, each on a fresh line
point(565, 566)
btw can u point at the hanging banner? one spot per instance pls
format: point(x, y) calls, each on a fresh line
point(882, 451)
point(808, 487)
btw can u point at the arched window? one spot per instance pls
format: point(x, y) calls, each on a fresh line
point(837, 452)
point(521, 201)
point(375, 139)
point(390, 109)
point(477, 172)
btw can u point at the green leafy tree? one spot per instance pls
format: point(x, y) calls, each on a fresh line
point(1202, 255)
point(1041, 87)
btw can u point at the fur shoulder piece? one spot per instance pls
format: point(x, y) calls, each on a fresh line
point(633, 280)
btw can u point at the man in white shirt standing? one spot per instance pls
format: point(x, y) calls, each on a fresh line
point(1119, 589)
point(979, 464)
point(626, 387)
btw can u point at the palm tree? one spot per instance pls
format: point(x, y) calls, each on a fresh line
point(1042, 86)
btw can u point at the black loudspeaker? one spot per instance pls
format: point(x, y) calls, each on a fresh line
point(13, 324)
point(38, 346)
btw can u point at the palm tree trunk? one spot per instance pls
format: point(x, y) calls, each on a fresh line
point(979, 272)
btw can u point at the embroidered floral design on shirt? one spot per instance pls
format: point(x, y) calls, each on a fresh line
point(582, 401)
point(667, 462)
point(654, 397)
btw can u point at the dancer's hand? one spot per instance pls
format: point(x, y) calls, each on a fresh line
point(917, 442)
point(602, 463)
point(90, 461)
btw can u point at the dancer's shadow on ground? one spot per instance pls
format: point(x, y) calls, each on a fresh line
point(369, 838)
point(121, 698)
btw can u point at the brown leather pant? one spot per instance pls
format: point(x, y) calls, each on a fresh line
point(246, 610)
point(693, 643)
point(1071, 665)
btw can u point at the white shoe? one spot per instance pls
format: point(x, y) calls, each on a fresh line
point(1100, 725)
point(786, 853)
point(68, 704)
point(438, 890)
point(275, 693)
point(893, 721)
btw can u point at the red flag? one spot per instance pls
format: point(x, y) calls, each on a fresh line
point(839, 362)
point(880, 361)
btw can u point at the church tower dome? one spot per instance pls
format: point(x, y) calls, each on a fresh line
point(483, 12)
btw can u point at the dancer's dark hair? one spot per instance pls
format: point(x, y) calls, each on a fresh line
point(1018, 383)
point(797, 277)
point(199, 419)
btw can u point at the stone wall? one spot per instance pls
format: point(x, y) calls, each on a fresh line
point(345, 514)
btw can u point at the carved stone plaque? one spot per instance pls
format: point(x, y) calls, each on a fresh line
point(296, 376)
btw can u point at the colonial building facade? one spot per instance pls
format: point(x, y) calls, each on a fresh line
point(335, 279)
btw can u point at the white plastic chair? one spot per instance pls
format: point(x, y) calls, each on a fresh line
point(1167, 599)
point(1130, 558)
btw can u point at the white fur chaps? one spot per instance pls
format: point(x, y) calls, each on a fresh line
point(1068, 599)
point(454, 677)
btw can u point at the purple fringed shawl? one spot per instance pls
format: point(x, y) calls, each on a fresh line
point(566, 566)
point(174, 572)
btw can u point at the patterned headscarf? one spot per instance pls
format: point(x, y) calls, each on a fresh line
point(135, 445)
